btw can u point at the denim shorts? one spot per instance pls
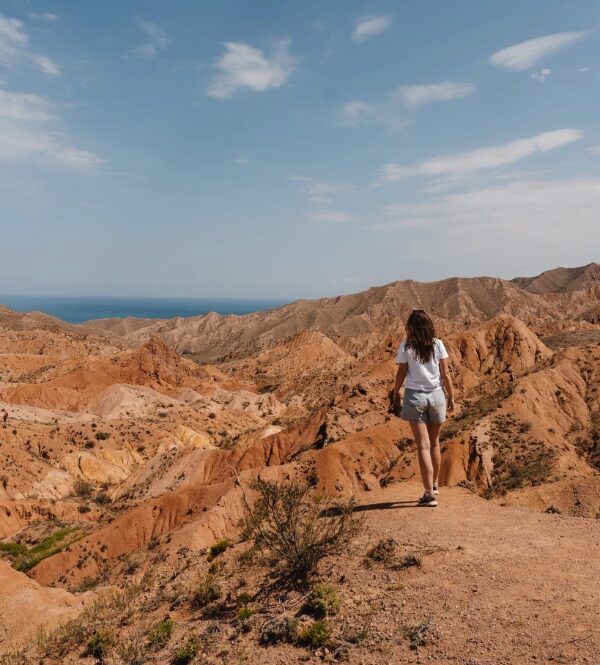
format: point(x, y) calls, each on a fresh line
point(424, 407)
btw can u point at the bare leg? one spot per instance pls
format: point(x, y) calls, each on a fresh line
point(419, 432)
point(436, 456)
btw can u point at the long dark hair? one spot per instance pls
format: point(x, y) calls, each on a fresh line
point(420, 335)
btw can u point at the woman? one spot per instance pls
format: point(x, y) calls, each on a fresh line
point(423, 361)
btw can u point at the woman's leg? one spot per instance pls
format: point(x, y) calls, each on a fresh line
point(433, 430)
point(419, 432)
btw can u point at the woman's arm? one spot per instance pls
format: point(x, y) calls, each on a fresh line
point(400, 376)
point(447, 380)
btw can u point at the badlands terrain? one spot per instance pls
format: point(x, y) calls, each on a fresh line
point(129, 448)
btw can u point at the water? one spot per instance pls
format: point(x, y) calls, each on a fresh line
point(76, 309)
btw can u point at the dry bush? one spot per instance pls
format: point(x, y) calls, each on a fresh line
point(298, 528)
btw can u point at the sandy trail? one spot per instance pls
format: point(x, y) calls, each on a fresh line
point(498, 585)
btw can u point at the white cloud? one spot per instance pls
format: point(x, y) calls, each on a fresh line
point(12, 38)
point(414, 96)
point(369, 26)
point(529, 53)
point(389, 111)
point(488, 157)
point(539, 210)
point(14, 43)
point(542, 75)
point(244, 67)
point(159, 40)
point(25, 133)
point(320, 199)
point(46, 65)
point(23, 106)
point(242, 160)
point(331, 217)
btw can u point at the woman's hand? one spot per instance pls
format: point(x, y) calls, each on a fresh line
point(397, 401)
point(451, 404)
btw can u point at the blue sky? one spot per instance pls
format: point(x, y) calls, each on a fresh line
point(294, 149)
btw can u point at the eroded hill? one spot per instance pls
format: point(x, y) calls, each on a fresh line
point(121, 460)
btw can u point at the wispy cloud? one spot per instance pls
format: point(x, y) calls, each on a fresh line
point(389, 111)
point(45, 16)
point(538, 208)
point(331, 217)
point(369, 26)
point(243, 161)
point(429, 93)
point(23, 106)
point(158, 41)
point(493, 156)
point(529, 53)
point(14, 47)
point(542, 75)
point(594, 150)
point(25, 133)
point(244, 67)
point(46, 65)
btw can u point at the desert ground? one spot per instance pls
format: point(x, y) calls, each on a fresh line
point(130, 451)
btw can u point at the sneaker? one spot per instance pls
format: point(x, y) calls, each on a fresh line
point(427, 500)
point(436, 489)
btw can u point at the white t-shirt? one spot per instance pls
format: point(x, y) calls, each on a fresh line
point(423, 376)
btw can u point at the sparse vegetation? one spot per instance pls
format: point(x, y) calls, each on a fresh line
point(82, 488)
point(474, 411)
point(418, 635)
point(518, 462)
point(324, 600)
point(383, 552)
point(217, 548)
point(298, 528)
point(24, 558)
point(161, 633)
point(317, 634)
point(280, 629)
point(99, 644)
point(187, 651)
point(206, 591)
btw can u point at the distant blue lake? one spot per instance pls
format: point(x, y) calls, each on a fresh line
point(76, 309)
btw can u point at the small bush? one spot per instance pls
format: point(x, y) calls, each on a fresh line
point(384, 551)
point(245, 612)
point(99, 644)
point(418, 635)
point(161, 633)
point(82, 488)
point(187, 651)
point(297, 528)
point(324, 600)
point(206, 591)
point(280, 629)
point(102, 436)
point(314, 636)
point(218, 548)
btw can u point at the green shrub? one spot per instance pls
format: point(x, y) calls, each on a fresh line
point(99, 644)
point(384, 551)
point(314, 636)
point(218, 548)
point(324, 600)
point(187, 651)
point(298, 528)
point(206, 591)
point(280, 629)
point(161, 633)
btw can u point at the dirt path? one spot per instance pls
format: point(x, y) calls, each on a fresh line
point(497, 585)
